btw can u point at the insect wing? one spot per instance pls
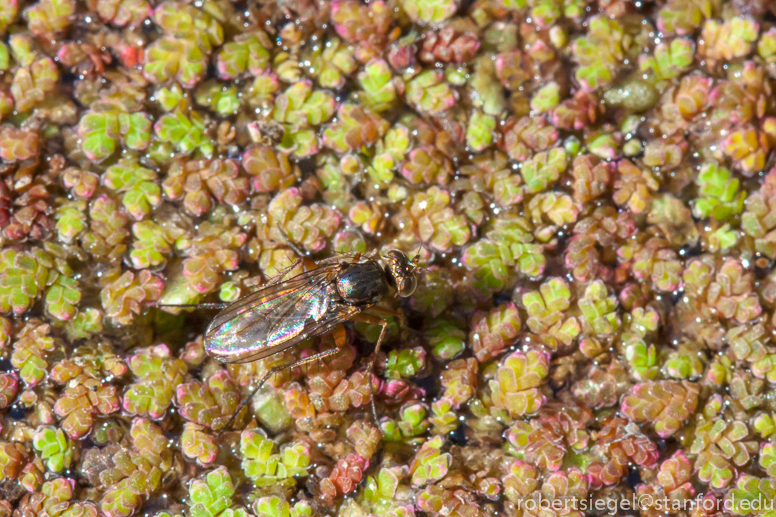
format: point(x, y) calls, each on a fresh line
point(275, 318)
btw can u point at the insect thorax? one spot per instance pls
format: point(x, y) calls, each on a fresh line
point(362, 284)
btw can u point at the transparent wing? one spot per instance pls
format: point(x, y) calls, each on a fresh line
point(276, 317)
point(331, 319)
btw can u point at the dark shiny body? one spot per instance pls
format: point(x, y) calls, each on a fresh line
point(362, 285)
point(286, 312)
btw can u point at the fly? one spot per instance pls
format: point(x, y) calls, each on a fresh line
point(286, 312)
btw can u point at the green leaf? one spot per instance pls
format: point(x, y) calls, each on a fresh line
point(99, 132)
point(136, 128)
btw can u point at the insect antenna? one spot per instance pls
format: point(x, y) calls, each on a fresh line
point(416, 258)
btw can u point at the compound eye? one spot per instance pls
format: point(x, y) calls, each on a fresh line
point(407, 285)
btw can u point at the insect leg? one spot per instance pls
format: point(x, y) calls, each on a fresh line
point(309, 264)
point(270, 373)
point(374, 320)
point(399, 315)
point(195, 305)
point(291, 244)
point(282, 273)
